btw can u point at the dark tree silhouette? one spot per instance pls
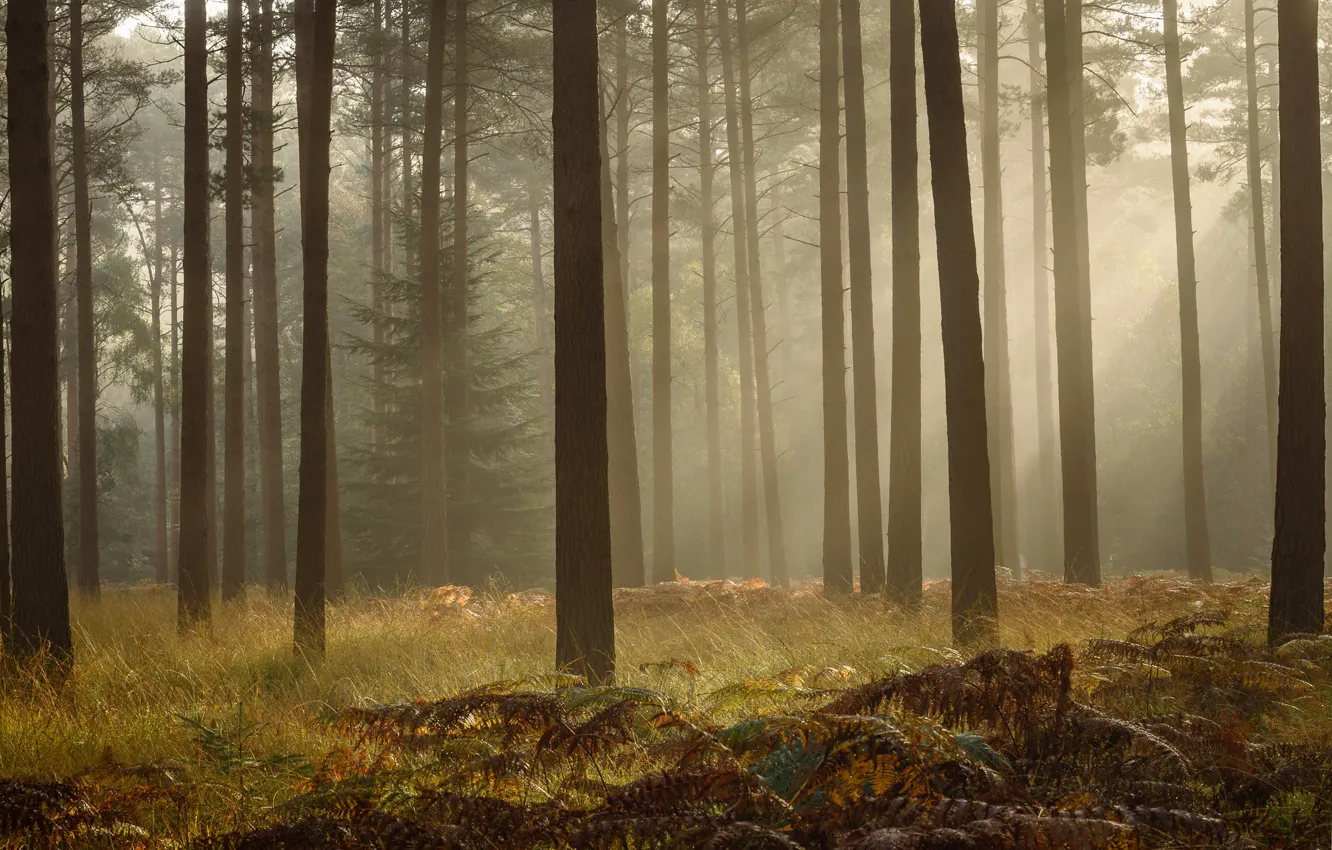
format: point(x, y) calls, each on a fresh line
point(585, 626)
point(663, 482)
point(975, 602)
point(1300, 542)
point(904, 508)
point(233, 444)
point(1257, 217)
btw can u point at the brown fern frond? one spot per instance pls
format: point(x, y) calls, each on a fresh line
point(1180, 625)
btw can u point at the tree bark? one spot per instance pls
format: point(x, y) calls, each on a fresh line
point(173, 451)
point(837, 570)
point(626, 504)
point(1043, 550)
point(998, 380)
point(1081, 561)
point(40, 594)
point(89, 565)
point(904, 473)
point(869, 497)
point(1195, 494)
point(585, 625)
point(1258, 224)
point(161, 547)
point(623, 108)
point(459, 412)
point(434, 511)
point(233, 495)
point(975, 605)
point(663, 482)
point(314, 82)
point(772, 493)
point(1300, 542)
point(6, 579)
point(335, 581)
point(379, 245)
point(268, 383)
point(708, 233)
point(408, 82)
point(750, 552)
point(194, 576)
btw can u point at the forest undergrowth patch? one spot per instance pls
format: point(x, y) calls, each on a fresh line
point(1149, 713)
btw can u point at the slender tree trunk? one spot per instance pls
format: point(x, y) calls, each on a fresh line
point(408, 121)
point(161, 549)
point(772, 493)
point(89, 553)
point(1081, 559)
point(40, 594)
point(541, 312)
point(434, 548)
point(335, 582)
point(623, 108)
point(6, 580)
point(1084, 563)
point(459, 413)
point(1195, 494)
point(628, 568)
point(1258, 224)
point(750, 553)
point(1300, 543)
point(585, 624)
point(904, 475)
point(1043, 550)
point(837, 571)
point(975, 605)
point(663, 482)
point(379, 247)
point(998, 380)
point(708, 229)
point(173, 454)
point(194, 577)
point(869, 497)
point(314, 82)
point(233, 512)
point(267, 351)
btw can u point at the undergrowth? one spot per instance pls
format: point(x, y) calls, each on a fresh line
point(1150, 713)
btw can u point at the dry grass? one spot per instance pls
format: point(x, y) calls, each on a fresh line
point(136, 678)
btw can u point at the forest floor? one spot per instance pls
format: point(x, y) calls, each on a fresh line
point(1145, 713)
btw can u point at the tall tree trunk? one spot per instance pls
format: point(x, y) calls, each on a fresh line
point(173, 451)
point(459, 413)
point(1195, 494)
point(1258, 225)
point(708, 229)
point(233, 513)
point(6, 580)
point(161, 548)
point(89, 554)
point(194, 577)
point(772, 493)
point(379, 246)
point(40, 594)
point(434, 539)
point(975, 605)
point(584, 616)
point(626, 502)
point(998, 380)
point(904, 474)
point(663, 481)
point(1081, 559)
point(268, 384)
point(750, 553)
point(314, 83)
point(1044, 548)
point(541, 312)
point(335, 581)
point(408, 121)
point(1300, 542)
point(869, 497)
point(623, 108)
point(837, 570)
point(1086, 561)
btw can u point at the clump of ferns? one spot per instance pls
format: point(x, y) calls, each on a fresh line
point(82, 812)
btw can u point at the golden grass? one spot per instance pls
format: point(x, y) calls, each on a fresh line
point(135, 678)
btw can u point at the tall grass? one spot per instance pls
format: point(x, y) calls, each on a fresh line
point(140, 690)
